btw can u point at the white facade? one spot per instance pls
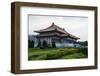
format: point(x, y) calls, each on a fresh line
point(58, 42)
point(65, 44)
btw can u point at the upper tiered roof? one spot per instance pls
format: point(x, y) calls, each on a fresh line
point(51, 28)
point(54, 27)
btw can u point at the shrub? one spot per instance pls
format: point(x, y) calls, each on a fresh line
point(32, 57)
point(45, 45)
point(39, 44)
point(74, 56)
point(54, 55)
point(41, 47)
point(84, 50)
point(49, 46)
point(41, 57)
point(53, 45)
point(30, 44)
point(69, 51)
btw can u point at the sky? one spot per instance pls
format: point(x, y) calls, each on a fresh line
point(77, 26)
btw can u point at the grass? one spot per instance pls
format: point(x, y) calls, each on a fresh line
point(56, 53)
point(74, 56)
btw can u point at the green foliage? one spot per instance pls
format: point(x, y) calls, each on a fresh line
point(45, 45)
point(53, 45)
point(37, 57)
point(84, 51)
point(30, 44)
point(70, 50)
point(74, 56)
point(84, 43)
point(56, 53)
point(49, 46)
point(39, 44)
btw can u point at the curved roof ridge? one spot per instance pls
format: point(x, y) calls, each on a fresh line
point(53, 27)
point(47, 27)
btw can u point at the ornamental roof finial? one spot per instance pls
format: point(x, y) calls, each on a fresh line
point(53, 23)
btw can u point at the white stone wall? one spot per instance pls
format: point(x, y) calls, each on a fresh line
point(64, 45)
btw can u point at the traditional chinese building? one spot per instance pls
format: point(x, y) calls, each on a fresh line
point(55, 34)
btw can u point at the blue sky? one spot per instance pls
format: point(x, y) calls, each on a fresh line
point(77, 26)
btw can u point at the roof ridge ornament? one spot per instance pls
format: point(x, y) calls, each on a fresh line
point(53, 23)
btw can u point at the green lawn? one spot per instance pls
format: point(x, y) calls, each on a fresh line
point(56, 53)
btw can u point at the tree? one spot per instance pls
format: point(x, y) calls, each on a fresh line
point(32, 44)
point(45, 45)
point(39, 44)
point(84, 43)
point(53, 45)
point(29, 44)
